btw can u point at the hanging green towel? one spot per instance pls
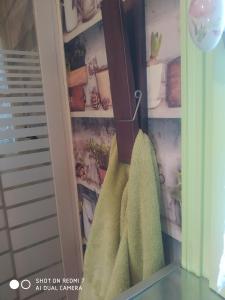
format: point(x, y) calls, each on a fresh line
point(125, 243)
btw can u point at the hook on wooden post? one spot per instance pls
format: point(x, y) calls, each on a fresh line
point(121, 72)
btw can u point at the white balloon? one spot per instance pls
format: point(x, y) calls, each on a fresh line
point(206, 22)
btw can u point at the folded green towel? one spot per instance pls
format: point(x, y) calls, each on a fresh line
point(125, 242)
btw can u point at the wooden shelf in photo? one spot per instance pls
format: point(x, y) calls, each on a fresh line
point(92, 114)
point(81, 27)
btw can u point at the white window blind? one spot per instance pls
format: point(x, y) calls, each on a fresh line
point(29, 238)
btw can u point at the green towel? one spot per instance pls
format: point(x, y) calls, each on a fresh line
point(125, 242)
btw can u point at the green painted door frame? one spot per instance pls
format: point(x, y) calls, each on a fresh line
point(203, 154)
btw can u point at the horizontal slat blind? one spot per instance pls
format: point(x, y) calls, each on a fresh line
point(17, 82)
point(31, 212)
point(20, 68)
point(18, 53)
point(22, 99)
point(23, 133)
point(20, 75)
point(25, 160)
point(22, 109)
point(21, 60)
point(26, 176)
point(24, 236)
point(38, 257)
point(29, 242)
point(21, 91)
point(24, 146)
point(17, 121)
point(28, 193)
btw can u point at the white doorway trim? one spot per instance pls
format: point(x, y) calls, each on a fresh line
point(51, 52)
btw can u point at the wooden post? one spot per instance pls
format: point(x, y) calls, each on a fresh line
point(127, 68)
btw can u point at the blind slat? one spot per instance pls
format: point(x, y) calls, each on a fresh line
point(17, 121)
point(28, 193)
point(23, 133)
point(33, 259)
point(21, 60)
point(21, 82)
point(22, 99)
point(25, 160)
point(21, 91)
point(21, 68)
point(24, 146)
point(31, 212)
point(22, 109)
point(19, 75)
point(26, 176)
point(24, 236)
point(18, 52)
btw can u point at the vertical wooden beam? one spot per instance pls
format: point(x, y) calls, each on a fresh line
point(121, 76)
point(135, 25)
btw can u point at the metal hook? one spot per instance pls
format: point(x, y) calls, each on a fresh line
point(137, 95)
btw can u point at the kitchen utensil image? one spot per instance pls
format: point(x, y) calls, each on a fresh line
point(155, 75)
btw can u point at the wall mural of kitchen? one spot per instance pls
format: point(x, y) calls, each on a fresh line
point(166, 137)
point(79, 15)
point(88, 76)
point(164, 104)
point(91, 138)
point(91, 103)
point(163, 58)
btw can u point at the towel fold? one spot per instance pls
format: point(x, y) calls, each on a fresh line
point(125, 242)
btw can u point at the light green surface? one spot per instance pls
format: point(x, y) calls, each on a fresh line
point(194, 64)
point(203, 155)
point(171, 283)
